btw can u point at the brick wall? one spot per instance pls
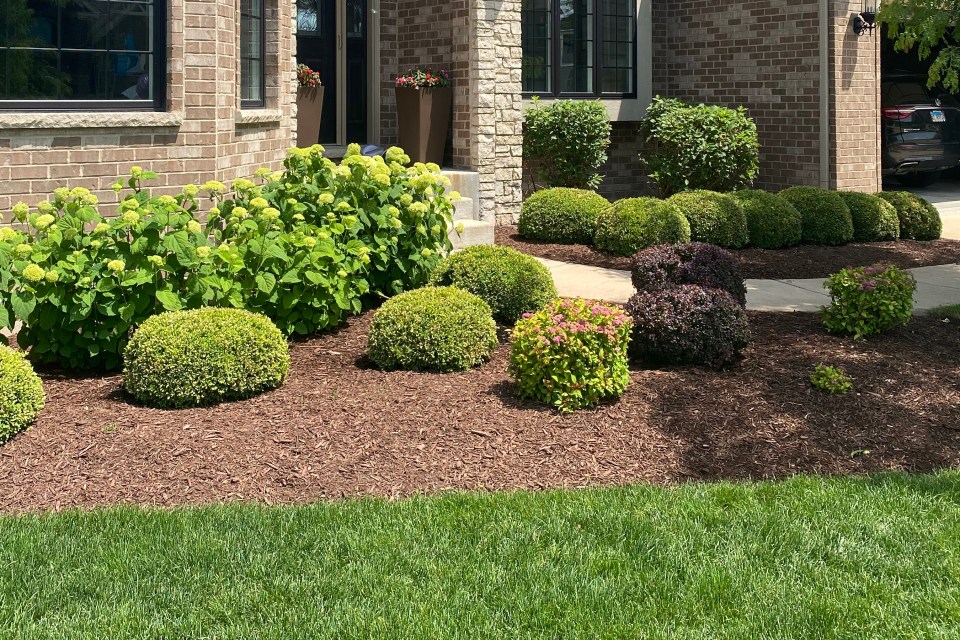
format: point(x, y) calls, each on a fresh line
point(200, 137)
point(765, 55)
point(622, 174)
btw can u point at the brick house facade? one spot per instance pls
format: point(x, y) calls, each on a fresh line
point(810, 83)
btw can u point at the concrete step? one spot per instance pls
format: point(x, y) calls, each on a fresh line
point(467, 183)
point(474, 232)
point(464, 209)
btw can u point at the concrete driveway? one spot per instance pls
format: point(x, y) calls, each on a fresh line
point(945, 196)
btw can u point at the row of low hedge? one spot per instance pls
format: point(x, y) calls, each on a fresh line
point(742, 218)
point(306, 247)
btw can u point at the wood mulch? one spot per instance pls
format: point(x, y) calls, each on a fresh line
point(339, 427)
point(808, 261)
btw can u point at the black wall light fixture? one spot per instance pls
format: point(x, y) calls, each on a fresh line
point(866, 20)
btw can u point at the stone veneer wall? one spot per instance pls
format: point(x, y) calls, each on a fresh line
point(478, 42)
point(203, 135)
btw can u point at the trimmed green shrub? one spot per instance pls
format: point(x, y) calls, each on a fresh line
point(567, 141)
point(824, 215)
point(432, 329)
point(699, 147)
point(507, 280)
point(874, 219)
point(632, 224)
point(869, 300)
point(714, 217)
point(919, 220)
point(571, 354)
point(671, 265)
point(21, 393)
point(688, 325)
point(773, 222)
point(204, 356)
point(562, 215)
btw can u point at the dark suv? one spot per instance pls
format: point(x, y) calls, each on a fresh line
point(921, 130)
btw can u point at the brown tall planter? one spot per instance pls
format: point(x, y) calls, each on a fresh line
point(309, 112)
point(423, 122)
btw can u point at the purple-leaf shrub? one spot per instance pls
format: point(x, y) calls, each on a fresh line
point(696, 263)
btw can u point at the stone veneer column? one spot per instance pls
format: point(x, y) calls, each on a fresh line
point(496, 106)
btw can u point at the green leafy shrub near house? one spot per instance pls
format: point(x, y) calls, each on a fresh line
point(562, 215)
point(510, 282)
point(632, 224)
point(869, 300)
point(432, 329)
point(21, 393)
point(567, 142)
point(919, 220)
point(714, 217)
point(874, 219)
point(706, 265)
point(699, 147)
point(772, 222)
point(204, 356)
point(571, 354)
point(305, 248)
point(830, 379)
point(688, 325)
point(824, 215)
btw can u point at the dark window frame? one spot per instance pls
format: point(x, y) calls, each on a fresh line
point(159, 82)
point(597, 70)
point(262, 78)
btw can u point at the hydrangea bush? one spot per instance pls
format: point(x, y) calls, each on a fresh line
point(869, 300)
point(571, 354)
point(303, 247)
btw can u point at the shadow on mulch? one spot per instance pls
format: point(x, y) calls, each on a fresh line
point(808, 261)
point(338, 429)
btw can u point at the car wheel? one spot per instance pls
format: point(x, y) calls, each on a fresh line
point(924, 179)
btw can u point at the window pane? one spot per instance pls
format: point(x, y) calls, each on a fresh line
point(536, 21)
point(81, 50)
point(618, 49)
point(251, 51)
point(308, 18)
point(576, 46)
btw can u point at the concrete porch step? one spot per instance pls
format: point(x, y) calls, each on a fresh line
point(475, 232)
point(467, 183)
point(464, 209)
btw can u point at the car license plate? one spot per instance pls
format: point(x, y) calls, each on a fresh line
point(937, 116)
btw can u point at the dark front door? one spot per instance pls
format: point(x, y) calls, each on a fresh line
point(332, 39)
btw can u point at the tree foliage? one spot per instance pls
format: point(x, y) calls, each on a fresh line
point(932, 27)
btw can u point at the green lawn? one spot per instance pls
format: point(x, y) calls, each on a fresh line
point(812, 558)
point(948, 312)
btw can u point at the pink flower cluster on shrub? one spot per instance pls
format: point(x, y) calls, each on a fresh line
point(572, 353)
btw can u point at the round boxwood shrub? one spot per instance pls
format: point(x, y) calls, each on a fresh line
point(204, 356)
point(688, 325)
point(824, 216)
point(874, 219)
point(919, 220)
point(714, 217)
point(507, 280)
point(21, 393)
point(772, 222)
point(562, 215)
point(698, 263)
point(571, 354)
point(432, 329)
point(632, 224)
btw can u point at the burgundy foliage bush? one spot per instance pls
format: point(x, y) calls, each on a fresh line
point(698, 263)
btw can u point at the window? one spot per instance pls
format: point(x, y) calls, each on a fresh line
point(90, 55)
point(252, 54)
point(579, 48)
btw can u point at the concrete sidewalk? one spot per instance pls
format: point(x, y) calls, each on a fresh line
point(936, 286)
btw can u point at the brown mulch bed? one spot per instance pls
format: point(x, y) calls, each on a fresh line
point(807, 261)
point(341, 428)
